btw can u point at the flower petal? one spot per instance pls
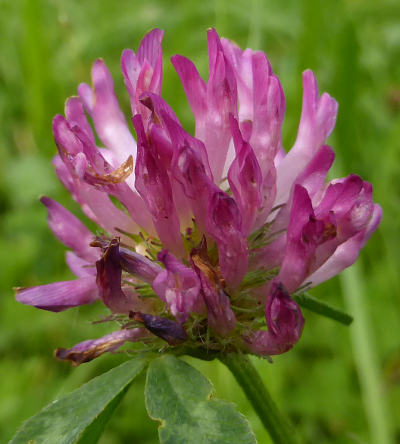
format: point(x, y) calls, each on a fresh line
point(109, 274)
point(103, 107)
point(143, 71)
point(153, 185)
point(285, 324)
point(69, 229)
point(170, 331)
point(346, 253)
point(245, 179)
point(224, 223)
point(60, 296)
point(303, 235)
point(318, 118)
point(93, 348)
point(219, 313)
point(80, 267)
point(179, 287)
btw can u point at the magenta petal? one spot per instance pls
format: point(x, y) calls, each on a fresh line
point(312, 178)
point(60, 296)
point(143, 72)
point(261, 112)
point(76, 116)
point(245, 179)
point(219, 313)
point(194, 86)
point(179, 287)
point(346, 253)
point(285, 324)
point(224, 223)
point(303, 234)
point(93, 348)
point(153, 185)
point(211, 103)
point(69, 230)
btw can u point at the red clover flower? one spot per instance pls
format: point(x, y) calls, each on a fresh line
point(215, 232)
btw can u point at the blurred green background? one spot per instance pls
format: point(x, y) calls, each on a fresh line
point(339, 385)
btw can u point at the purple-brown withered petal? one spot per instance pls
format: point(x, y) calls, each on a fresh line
point(164, 328)
point(93, 348)
point(109, 274)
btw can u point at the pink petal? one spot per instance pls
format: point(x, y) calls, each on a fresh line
point(143, 72)
point(153, 184)
point(60, 296)
point(318, 118)
point(80, 267)
point(346, 253)
point(76, 116)
point(85, 163)
point(220, 316)
point(103, 107)
point(245, 179)
point(302, 239)
point(179, 287)
point(69, 229)
point(224, 224)
point(194, 86)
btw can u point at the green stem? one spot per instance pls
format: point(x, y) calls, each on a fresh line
point(248, 378)
point(307, 301)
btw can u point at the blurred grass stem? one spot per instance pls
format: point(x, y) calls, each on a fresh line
point(364, 354)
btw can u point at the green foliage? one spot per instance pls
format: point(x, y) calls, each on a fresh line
point(182, 399)
point(82, 415)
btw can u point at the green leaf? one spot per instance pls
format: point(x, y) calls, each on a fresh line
point(81, 415)
point(181, 398)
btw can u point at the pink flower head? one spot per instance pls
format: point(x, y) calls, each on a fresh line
point(200, 217)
